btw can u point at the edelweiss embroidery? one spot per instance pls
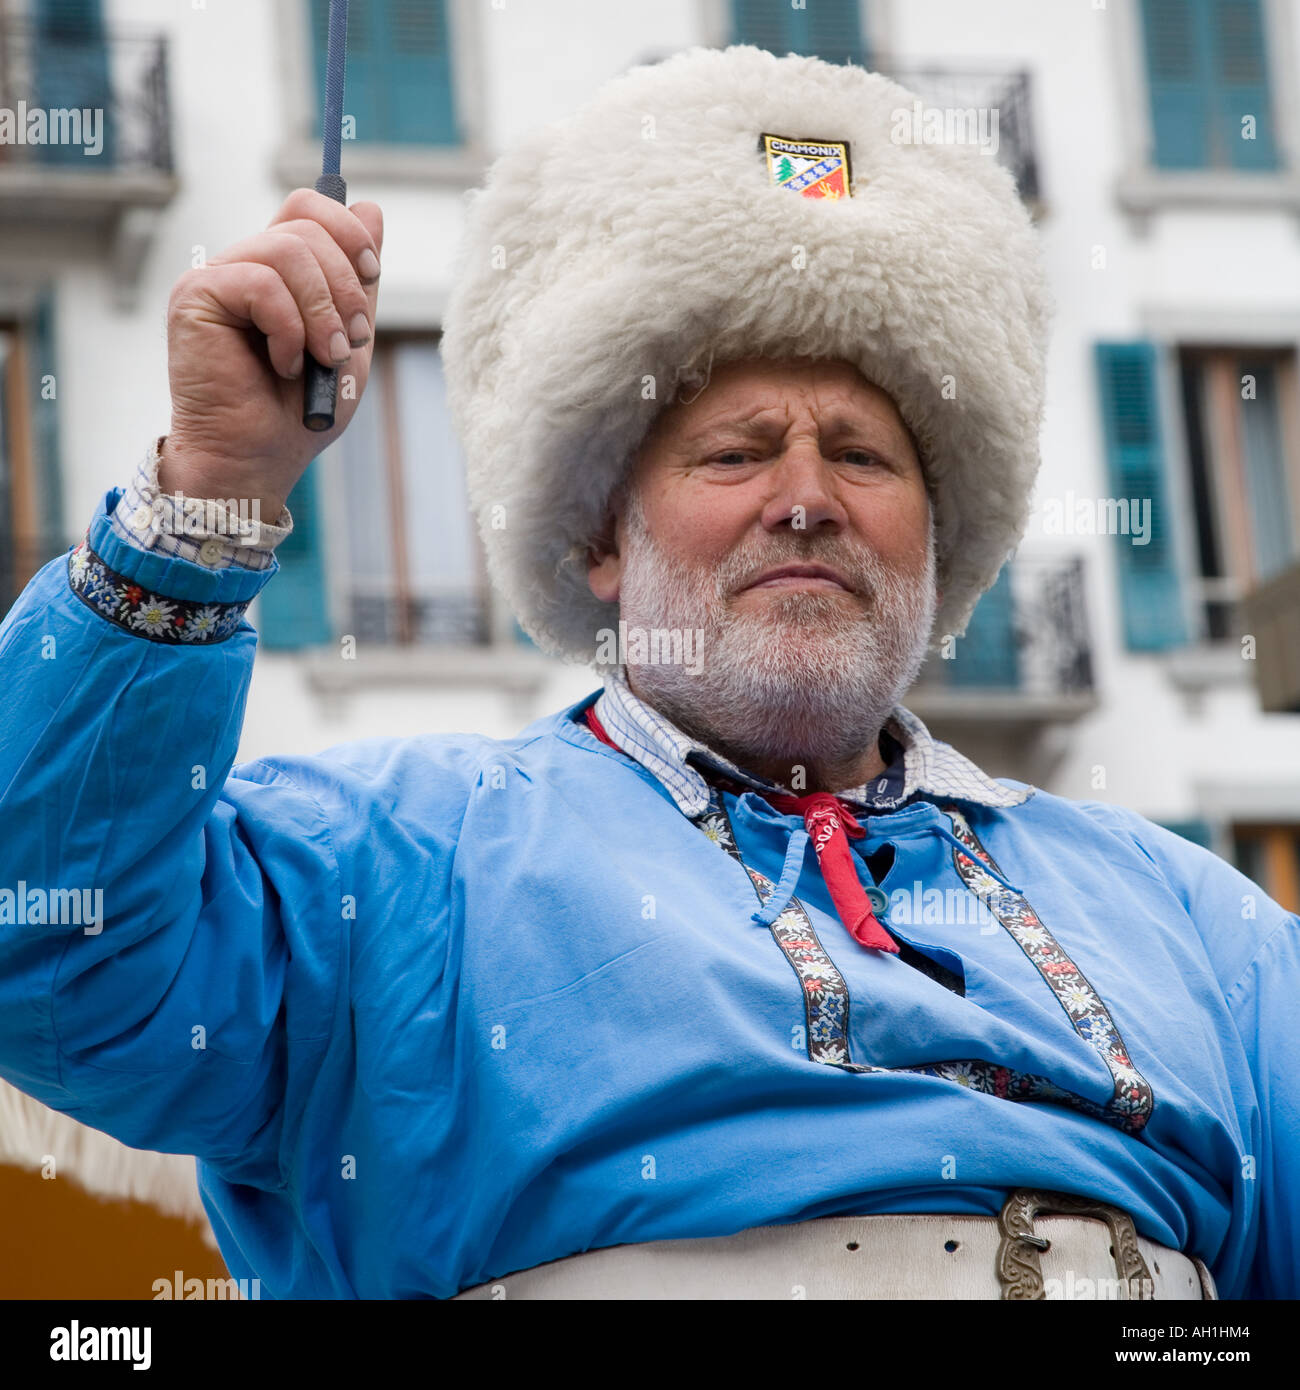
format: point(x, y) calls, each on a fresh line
point(826, 995)
point(1130, 1106)
point(160, 619)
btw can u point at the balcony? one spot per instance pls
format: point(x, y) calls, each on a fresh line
point(85, 141)
point(1025, 661)
point(1009, 94)
point(1271, 614)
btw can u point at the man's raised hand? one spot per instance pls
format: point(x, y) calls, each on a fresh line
point(237, 331)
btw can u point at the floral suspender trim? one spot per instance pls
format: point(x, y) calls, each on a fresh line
point(1131, 1104)
point(826, 995)
point(125, 604)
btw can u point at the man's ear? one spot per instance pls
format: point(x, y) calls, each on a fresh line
point(604, 563)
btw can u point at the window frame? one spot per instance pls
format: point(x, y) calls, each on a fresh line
point(500, 622)
point(297, 161)
point(1142, 188)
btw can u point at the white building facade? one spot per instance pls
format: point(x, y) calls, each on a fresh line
point(1157, 141)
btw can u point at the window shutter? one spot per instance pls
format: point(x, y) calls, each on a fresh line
point(399, 73)
point(829, 29)
point(71, 72)
point(988, 655)
point(293, 611)
point(1207, 67)
point(45, 421)
point(1241, 88)
point(1199, 832)
point(1148, 574)
point(1177, 82)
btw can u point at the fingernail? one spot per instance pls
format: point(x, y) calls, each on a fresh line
point(359, 329)
point(368, 264)
point(296, 368)
point(339, 350)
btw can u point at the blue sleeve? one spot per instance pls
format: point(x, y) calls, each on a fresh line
point(1253, 946)
point(1265, 1004)
point(169, 952)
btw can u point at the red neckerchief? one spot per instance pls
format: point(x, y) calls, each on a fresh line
point(829, 823)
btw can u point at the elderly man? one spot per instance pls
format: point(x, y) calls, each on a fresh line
point(577, 1013)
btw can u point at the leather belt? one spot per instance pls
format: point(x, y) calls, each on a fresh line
point(1042, 1245)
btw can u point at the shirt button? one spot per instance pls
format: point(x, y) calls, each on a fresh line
point(878, 899)
point(142, 517)
point(210, 552)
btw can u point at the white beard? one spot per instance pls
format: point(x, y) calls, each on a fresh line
point(811, 678)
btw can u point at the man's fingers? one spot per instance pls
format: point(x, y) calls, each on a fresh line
point(250, 293)
point(355, 232)
point(296, 263)
point(351, 301)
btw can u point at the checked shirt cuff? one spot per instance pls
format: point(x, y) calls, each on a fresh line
point(205, 531)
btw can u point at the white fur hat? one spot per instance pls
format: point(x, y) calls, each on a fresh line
point(622, 251)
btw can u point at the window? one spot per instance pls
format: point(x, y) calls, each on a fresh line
point(1240, 424)
point(68, 69)
point(31, 530)
point(1208, 84)
point(829, 29)
point(399, 71)
point(412, 563)
point(1270, 856)
point(1151, 594)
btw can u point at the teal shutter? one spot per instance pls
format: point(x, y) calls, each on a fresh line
point(399, 70)
point(293, 605)
point(45, 419)
point(1198, 831)
point(1207, 68)
point(71, 73)
point(1241, 86)
point(830, 29)
point(988, 655)
point(1148, 574)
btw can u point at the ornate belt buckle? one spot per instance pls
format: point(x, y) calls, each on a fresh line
point(1020, 1273)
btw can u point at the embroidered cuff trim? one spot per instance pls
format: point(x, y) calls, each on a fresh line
point(125, 604)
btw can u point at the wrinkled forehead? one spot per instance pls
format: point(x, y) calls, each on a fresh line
point(751, 389)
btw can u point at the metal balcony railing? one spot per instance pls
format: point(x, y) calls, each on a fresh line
point(84, 100)
point(1007, 93)
point(1027, 639)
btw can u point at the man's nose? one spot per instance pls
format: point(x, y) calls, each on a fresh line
point(804, 491)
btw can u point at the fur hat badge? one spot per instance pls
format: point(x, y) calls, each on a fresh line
point(727, 203)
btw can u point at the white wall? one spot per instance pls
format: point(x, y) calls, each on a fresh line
point(540, 60)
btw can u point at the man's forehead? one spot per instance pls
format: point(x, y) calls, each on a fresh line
point(770, 407)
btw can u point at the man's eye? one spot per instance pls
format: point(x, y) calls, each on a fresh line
point(736, 454)
point(863, 455)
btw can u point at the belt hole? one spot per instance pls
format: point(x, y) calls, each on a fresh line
point(852, 1245)
point(951, 1245)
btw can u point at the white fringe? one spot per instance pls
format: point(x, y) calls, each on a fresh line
point(31, 1133)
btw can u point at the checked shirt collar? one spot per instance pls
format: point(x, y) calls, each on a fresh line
point(919, 764)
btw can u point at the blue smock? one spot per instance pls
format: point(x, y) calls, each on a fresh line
point(432, 1010)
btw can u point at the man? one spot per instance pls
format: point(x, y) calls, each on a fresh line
point(744, 382)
